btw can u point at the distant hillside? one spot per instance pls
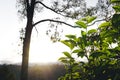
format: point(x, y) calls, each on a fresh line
point(36, 72)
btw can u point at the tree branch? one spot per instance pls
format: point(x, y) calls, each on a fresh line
point(62, 22)
point(96, 21)
point(57, 21)
point(67, 5)
point(45, 6)
point(57, 12)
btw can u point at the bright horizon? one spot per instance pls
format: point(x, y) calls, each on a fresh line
point(42, 49)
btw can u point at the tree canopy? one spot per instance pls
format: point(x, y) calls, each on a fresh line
point(100, 47)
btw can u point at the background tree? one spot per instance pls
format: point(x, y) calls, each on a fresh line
point(74, 9)
point(27, 10)
point(6, 73)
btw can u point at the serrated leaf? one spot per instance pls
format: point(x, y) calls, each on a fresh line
point(81, 24)
point(67, 54)
point(92, 31)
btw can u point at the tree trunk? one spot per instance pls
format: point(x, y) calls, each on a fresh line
point(25, 55)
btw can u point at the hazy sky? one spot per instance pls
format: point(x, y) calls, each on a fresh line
point(42, 49)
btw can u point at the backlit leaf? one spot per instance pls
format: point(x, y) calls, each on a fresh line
point(92, 31)
point(62, 58)
point(67, 54)
point(117, 8)
point(69, 43)
point(71, 36)
point(90, 19)
point(76, 51)
point(81, 24)
point(83, 33)
point(104, 24)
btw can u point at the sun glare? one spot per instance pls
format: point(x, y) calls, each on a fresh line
point(44, 51)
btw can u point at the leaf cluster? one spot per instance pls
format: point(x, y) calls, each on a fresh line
point(100, 47)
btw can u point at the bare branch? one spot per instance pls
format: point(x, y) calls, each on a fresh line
point(67, 5)
point(62, 22)
point(36, 30)
point(45, 6)
point(57, 12)
point(57, 21)
point(96, 21)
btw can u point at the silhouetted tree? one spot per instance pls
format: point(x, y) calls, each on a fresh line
point(27, 10)
point(74, 9)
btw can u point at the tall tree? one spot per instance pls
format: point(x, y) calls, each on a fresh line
point(27, 10)
point(74, 9)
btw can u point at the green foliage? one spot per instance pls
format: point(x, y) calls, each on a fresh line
point(104, 24)
point(70, 43)
point(116, 6)
point(89, 19)
point(92, 31)
point(67, 54)
point(116, 21)
point(115, 1)
point(81, 24)
point(6, 73)
point(100, 47)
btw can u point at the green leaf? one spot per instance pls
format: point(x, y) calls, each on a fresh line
point(116, 21)
point(81, 54)
point(67, 54)
point(84, 42)
point(90, 19)
point(76, 51)
point(104, 24)
point(63, 59)
point(81, 24)
point(71, 36)
point(83, 33)
point(117, 8)
point(115, 1)
point(70, 43)
point(92, 31)
point(65, 42)
point(97, 54)
point(107, 33)
point(84, 19)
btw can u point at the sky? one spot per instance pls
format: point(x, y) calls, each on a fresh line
point(42, 50)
